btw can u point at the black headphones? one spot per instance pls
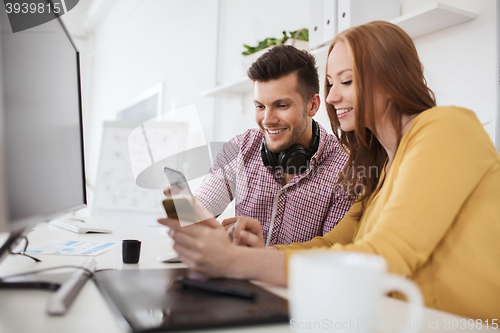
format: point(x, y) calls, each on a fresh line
point(293, 160)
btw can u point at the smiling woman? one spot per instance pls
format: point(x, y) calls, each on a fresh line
point(430, 209)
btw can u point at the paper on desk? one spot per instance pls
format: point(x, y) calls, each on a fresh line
point(77, 248)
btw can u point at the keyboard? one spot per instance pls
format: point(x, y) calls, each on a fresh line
point(78, 226)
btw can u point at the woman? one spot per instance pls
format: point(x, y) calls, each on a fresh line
point(430, 180)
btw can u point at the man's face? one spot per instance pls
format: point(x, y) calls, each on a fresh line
point(281, 113)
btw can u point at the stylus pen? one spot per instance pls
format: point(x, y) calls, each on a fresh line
point(30, 285)
point(60, 302)
point(216, 288)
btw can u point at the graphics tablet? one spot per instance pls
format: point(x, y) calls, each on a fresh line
point(153, 301)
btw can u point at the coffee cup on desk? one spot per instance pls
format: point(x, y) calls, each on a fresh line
point(343, 292)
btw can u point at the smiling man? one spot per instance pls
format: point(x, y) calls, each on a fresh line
point(284, 174)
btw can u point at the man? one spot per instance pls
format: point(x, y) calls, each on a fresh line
point(284, 174)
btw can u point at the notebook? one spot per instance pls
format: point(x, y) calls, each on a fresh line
point(153, 301)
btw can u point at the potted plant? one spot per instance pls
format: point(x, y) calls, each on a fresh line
point(298, 38)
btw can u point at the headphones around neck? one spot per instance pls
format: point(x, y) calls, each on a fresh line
point(293, 160)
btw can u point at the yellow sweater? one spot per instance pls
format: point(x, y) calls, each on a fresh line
point(436, 217)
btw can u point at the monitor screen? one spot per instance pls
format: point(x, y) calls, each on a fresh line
point(43, 159)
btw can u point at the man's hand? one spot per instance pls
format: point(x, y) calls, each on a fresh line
point(244, 231)
point(228, 223)
point(204, 248)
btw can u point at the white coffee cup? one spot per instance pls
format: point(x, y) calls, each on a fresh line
point(343, 292)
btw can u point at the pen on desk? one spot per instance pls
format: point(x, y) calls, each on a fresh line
point(215, 288)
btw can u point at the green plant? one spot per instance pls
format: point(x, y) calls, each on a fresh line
point(302, 35)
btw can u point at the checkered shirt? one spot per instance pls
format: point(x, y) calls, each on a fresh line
point(307, 206)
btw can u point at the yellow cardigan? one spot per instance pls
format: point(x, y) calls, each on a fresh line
point(436, 217)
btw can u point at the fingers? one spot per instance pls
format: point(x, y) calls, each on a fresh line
point(202, 248)
point(169, 222)
point(249, 239)
point(186, 255)
point(171, 190)
point(230, 233)
point(206, 218)
point(193, 230)
point(182, 238)
point(251, 225)
point(229, 221)
point(193, 259)
point(228, 226)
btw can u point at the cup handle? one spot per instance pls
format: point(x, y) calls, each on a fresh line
point(412, 292)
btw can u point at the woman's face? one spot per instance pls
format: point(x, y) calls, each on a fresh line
point(339, 77)
point(341, 96)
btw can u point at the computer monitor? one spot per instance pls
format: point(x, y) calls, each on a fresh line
point(42, 157)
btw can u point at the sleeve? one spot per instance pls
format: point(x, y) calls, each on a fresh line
point(218, 187)
point(440, 164)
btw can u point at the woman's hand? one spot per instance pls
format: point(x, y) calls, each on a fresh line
point(204, 247)
point(244, 231)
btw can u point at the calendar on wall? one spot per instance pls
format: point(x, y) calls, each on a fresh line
point(116, 187)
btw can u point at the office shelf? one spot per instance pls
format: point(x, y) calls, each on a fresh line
point(421, 22)
point(432, 18)
point(234, 89)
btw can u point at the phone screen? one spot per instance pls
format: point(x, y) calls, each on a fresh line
point(177, 179)
point(180, 205)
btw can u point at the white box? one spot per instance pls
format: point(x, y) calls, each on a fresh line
point(315, 23)
point(329, 20)
point(351, 13)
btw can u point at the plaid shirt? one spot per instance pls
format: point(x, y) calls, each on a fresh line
point(306, 207)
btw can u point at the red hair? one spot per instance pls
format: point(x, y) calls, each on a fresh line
point(382, 56)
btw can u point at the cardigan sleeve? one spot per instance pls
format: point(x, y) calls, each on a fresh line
point(439, 162)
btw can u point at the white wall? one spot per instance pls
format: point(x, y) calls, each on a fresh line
point(460, 61)
point(248, 22)
point(140, 43)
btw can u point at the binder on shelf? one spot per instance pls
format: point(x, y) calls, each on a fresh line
point(315, 23)
point(355, 12)
point(329, 20)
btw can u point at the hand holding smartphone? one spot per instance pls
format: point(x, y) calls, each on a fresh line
point(180, 206)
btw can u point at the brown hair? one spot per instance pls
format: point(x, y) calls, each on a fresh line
point(282, 60)
point(382, 55)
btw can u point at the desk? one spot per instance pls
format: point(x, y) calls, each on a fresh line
point(24, 310)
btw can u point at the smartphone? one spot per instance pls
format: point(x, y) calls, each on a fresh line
point(181, 205)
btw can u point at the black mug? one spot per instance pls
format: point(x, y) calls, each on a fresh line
point(131, 250)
